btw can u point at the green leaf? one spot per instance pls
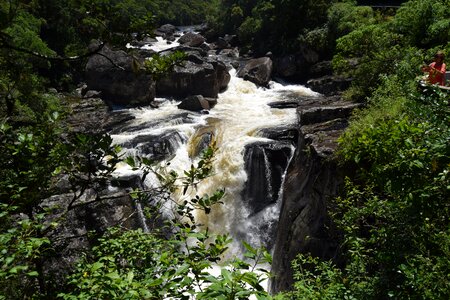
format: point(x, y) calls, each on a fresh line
point(97, 265)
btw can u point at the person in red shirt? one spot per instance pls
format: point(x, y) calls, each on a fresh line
point(436, 69)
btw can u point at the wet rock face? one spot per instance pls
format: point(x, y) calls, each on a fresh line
point(265, 164)
point(196, 76)
point(112, 74)
point(312, 180)
point(258, 71)
point(197, 103)
point(155, 147)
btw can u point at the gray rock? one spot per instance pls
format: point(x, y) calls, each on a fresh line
point(191, 39)
point(88, 115)
point(296, 66)
point(264, 158)
point(114, 75)
point(92, 94)
point(198, 77)
point(286, 66)
point(145, 41)
point(320, 69)
point(197, 103)
point(155, 147)
point(166, 29)
point(314, 178)
point(329, 84)
point(231, 39)
point(80, 227)
point(234, 53)
point(258, 71)
point(222, 43)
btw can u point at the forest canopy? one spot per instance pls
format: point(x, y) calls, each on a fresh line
point(393, 217)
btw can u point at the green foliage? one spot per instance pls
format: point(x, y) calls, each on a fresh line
point(159, 65)
point(122, 266)
point(393, 215)
point(178, 266)
point(394, 212)
point(271, 26)
point(385, 46)
point(20, 250)
point(324, 282)
point(342, 18)
point(424, 23)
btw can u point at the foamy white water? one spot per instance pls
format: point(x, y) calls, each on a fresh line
point(241, 112)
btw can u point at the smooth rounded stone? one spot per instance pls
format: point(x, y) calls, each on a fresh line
point(191, 39)
point(258, 71)
point(166, 29)
point(197, 103)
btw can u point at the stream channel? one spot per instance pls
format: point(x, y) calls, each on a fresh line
point(254, 141)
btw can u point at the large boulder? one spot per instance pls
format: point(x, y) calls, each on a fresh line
point(296, 66)
point(114, 75)
point(258, 71)
point(166, 31)
point(198, 75)
point(286, 66)
point(191, 39)
point(197, 103)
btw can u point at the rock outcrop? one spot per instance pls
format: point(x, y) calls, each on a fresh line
point(197, 103)
point(79, 226)
point(296, 66)
point(166, 31)
point(313, 179)
point(258, 71)
point(329, 84)
point(191, 39)
point(198, 75)
point(112, 73)
point(265, 164)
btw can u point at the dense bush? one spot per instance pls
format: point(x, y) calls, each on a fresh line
point(394, 45)
point(394, 214)
point(269, 26)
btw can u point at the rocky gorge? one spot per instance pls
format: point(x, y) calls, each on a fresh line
point(288, 173)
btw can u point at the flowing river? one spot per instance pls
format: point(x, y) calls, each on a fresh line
point(235, 124)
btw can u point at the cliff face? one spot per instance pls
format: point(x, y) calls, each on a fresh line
point(313, 179)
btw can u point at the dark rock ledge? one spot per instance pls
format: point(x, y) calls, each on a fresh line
point(313, 179)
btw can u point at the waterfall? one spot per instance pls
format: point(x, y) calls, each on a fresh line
point(250, 207)
point(234, 123)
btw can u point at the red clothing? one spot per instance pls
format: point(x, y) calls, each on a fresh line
point(437, 73)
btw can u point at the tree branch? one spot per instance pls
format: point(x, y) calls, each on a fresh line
point(96, 51)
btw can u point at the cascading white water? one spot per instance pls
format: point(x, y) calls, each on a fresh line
point(236, 120)
point(241, 112)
